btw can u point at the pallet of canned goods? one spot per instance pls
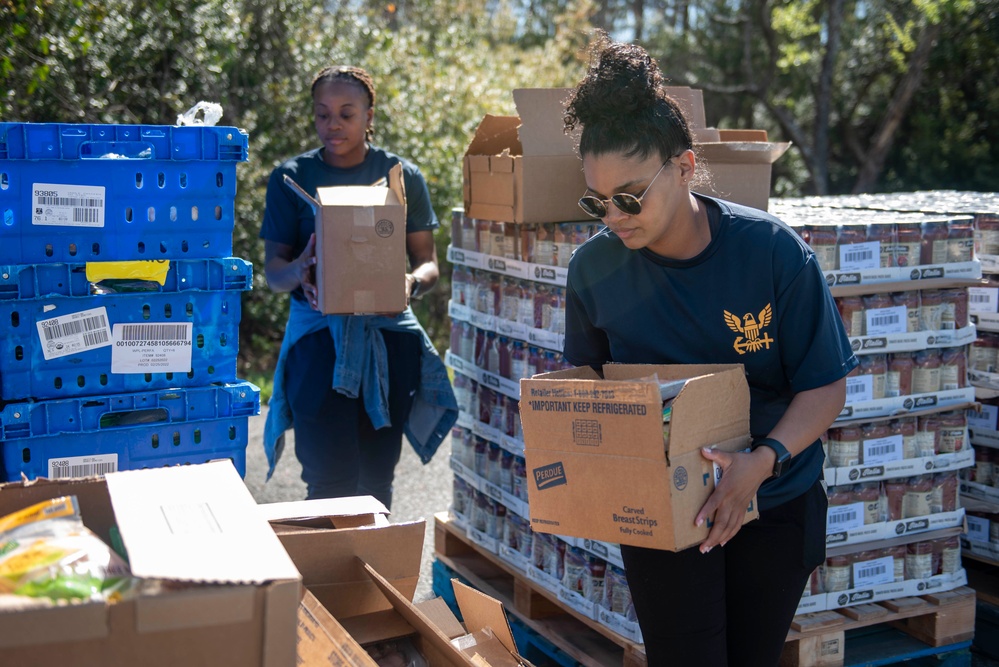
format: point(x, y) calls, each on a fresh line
point(69, 334)
point(78, 437)
point(78, 192)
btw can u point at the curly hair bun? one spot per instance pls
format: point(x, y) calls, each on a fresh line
point(623, 80)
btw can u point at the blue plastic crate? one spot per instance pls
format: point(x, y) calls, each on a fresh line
point(71, 193)
point(81, 437)
point(62, 341)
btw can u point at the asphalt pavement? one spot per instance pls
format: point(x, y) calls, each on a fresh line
point(419, 491)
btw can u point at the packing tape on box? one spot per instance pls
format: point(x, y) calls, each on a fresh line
point(364, 216)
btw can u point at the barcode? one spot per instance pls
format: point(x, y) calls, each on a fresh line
point(85, 470)
point(86, 215)
point(854, 388)
point(881, 450)
point(858, 255)
point(74, 327)
point(881, 320)
point(871, 570)
point(71, 201)
point(842, 517)
point(154, 332)
point(975, 528)
point(98, 337)
point(979, 298)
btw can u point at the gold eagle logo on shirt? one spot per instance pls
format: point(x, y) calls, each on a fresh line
point(751, 329)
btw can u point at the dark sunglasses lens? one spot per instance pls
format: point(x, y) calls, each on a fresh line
point(627, 203)
point(593, 207)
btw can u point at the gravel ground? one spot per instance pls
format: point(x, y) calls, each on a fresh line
point(420, 491)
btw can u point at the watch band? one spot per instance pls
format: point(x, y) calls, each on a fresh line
point(783, 460)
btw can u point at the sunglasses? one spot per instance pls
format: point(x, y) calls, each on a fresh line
point(626, 203)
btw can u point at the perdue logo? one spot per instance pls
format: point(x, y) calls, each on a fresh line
point(550, 475)
point(497, 264)
point(848, 279)
point(542, 272)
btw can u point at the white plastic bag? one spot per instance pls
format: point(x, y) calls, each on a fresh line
point(210, 113)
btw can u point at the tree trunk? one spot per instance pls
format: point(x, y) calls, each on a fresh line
point(823, 98)
point(884, 138)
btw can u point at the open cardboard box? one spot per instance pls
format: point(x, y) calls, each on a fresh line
point(360, 246)
point(360, 581)
point(739, 160)
point(525, 168)
point(195, 525)
point(596, 458)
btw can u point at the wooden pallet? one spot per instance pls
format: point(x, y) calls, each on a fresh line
point(584, 639)
point(940, 619)
point(815, 640)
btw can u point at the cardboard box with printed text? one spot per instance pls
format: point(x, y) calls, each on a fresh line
point(360, 574)
point(597, 464)
point(360, 246)
point(234, 590)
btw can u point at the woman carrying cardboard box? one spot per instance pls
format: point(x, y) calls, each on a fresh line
point(681, 278)
point(351, 385)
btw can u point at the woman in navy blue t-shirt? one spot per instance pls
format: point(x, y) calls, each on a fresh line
point(680, 278)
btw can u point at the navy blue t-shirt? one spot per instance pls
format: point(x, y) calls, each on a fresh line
point(755, 296)
point(288, 219)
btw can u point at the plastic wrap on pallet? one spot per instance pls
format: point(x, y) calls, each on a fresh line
point(78, 437)
point(61, 341)
point(71, 193)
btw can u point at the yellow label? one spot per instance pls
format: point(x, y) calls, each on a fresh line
point(155, 269)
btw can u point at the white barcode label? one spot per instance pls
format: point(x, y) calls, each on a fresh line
point(67, 205)
point(978, 528)
point(859, 388)
point(82, 466)
point(874, 572)
point(985, 420)
point(75, 333)
point(153, 347)
point(881, 321)
point(883, 450)
point(857, 256)
point(844, 517)
point(983, 299)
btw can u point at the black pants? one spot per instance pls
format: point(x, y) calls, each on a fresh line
point(732, 606)
point(341, 453)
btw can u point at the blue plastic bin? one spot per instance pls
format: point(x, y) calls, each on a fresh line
point(88, 436)
point(72, 193)
point(48, 311)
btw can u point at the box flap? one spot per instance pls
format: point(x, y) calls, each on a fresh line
point(541, 126)
point(742, 135)
point(300, 191)
point(357, 195)
point(332, 508)
point(742, 152)
point(328, 561)
point(481, 611)
point(322, 641)
point(494, 135)
point(691, 102)
point(396, 184)
point(430, 632)
point(195, 523)
point(440, 614)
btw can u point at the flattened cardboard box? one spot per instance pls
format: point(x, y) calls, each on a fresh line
point(360, 246)
point(360, 581)
point(525, 168)
point(195, 524)
point(596, 460)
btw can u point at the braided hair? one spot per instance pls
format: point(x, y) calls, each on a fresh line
point(349, 74)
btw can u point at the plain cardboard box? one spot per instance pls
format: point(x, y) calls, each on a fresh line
point(360, 246)
point(739, 161)
point(195, 524)
point(525, 168)
point(596, 461)
point(360, 574)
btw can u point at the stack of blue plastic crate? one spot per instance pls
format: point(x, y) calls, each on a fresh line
point(119, 300)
